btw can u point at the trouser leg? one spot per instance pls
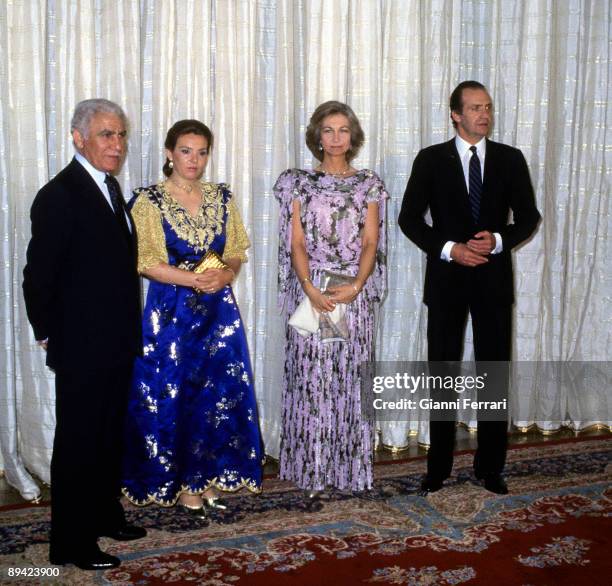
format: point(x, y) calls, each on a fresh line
point(86, 460)
point(445, 331)
point(492, 327)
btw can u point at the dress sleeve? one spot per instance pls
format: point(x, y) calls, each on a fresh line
point(286, 189)
point(377, 193)
point(150, 233)
point(236, 239)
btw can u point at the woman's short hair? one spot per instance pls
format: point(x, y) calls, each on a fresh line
point(181, 128)
point(87, 109)
point(313, 132)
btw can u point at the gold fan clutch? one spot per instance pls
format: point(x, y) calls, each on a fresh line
point(211, 260)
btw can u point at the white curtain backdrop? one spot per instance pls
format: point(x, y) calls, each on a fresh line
point(254, 70)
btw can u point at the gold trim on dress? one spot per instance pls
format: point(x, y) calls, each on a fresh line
point(199, 230)
point(247, 483)
point(236, 239)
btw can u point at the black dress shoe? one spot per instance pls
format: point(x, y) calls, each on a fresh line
point(94, 561)
point(429, 485)
point(495, 483)
point(125, 533)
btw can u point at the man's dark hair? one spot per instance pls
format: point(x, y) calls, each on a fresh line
point(456, 98)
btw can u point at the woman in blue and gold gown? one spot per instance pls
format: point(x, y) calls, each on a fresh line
point(192, 426)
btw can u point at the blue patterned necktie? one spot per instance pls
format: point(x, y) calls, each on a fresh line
point(475, 191)
point(118, 204)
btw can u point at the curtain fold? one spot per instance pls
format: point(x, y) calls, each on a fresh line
point(26, 407)
point(254, 70)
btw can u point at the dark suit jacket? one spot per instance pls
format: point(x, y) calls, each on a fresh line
point(437, 182)
point(80, 284)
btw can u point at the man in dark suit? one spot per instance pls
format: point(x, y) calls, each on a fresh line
point(469, 185)
point(82, 297)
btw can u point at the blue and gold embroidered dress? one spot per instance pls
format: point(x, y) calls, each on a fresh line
point(192, 416)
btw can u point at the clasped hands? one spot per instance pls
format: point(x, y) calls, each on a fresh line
point(475, 251)
point(212, 280)
point(325, 301)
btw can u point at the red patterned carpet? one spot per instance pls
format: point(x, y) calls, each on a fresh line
point(553, 528)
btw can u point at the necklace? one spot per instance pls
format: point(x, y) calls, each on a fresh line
point(186, 187)
point(337, 173)
point(186, 202)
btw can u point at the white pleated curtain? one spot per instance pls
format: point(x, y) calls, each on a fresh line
point(254, 71)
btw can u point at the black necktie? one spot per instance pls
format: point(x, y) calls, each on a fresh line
point(475, 191)
point(118, 204)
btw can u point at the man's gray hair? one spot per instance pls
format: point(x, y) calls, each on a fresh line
point(87, 109)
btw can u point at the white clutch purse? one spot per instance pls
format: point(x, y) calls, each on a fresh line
point(305, 318)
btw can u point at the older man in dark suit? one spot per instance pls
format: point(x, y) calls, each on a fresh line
point(82, 297)
point(469, 184)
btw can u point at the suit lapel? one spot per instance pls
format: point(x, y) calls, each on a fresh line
point(491, 171)
point(89, 190)
point(457, 173)
point(491, 161)
point(457, 178)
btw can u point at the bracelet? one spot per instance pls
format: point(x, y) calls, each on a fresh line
point(306, 280)
point(355, 287)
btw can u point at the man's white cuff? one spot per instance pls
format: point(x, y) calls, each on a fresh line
point(446, 250)
point(498, 244)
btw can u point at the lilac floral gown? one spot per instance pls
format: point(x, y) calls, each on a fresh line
point(324, 440)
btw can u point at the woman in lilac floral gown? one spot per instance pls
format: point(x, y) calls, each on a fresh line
point(332, 219)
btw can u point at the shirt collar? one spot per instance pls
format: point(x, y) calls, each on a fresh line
point(97, 175)
point(463, 146)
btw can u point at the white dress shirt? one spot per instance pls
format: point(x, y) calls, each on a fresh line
point(465, 154)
